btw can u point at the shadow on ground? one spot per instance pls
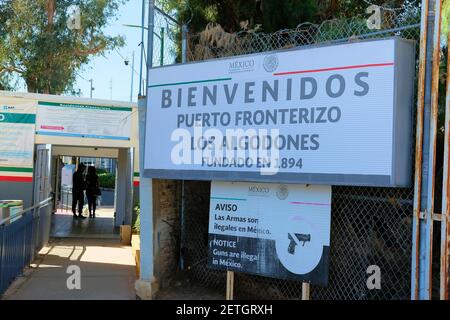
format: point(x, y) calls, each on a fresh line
point(106, 269)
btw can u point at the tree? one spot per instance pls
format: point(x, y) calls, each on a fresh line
point(272, 15)
point(36, 43)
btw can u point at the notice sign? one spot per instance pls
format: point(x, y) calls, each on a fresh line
point(273, 230)
point(83, 121)
point(336, 114)
point(17, 124)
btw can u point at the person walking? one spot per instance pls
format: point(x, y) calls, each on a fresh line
point(78, 187)
point(92, 190)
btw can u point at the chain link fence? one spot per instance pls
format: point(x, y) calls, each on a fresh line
point(165, 38)
point(369, 226)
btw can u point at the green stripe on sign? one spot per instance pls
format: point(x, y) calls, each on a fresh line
point(136, 174)
point(232, 199)
point(187, 82)
point(16, 169)
point(83, 106)
point(26, 118)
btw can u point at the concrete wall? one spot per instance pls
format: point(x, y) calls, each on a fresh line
point(166, 222)
point(17, 191)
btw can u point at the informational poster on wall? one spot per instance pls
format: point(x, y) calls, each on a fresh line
point(83, 121)
point(273, 230)
point(67, 175)
point(333, 115)
point(17, 126)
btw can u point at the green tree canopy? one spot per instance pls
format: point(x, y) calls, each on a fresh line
point(36, 43)
point(272, 15)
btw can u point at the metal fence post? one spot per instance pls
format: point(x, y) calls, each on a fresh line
point(24, 247)
point(144, 284)
point(2, 251)
point(426, 150)
point(184, 34)
point(445, 222)
point(161, 52)
point(142, 47)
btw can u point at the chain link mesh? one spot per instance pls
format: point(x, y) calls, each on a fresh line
point(369, 226)
point(164, 40)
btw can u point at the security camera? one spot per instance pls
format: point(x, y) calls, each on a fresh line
point(126, 62)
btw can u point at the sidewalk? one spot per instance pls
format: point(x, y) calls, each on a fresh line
point(107, 272)
point(102, 227)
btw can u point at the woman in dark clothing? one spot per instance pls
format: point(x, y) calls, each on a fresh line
point(92, 190)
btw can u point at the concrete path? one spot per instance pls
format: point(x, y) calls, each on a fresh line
point(102, 227)
point(107, 272)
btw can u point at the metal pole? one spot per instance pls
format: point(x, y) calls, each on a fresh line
point(184, 33)
point(142, 46)
point(145, 188)
point(184, 30)
point(92, 88)
point(418, 160)
point(445, 244)
point(151, 27)
point(426, 151)
point(161, 53)
point(132, 78)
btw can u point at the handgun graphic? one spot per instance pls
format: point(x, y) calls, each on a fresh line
point(301, 237)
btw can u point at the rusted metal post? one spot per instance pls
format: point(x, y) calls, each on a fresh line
point(426, 150)
point(445, 223)
point(418, 160)
point(306, 291)
point(230, 285)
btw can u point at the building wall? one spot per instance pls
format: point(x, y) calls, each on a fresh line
point(17, 191)
point(23, 190)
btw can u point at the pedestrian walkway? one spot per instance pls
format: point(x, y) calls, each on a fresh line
point(102, 227)
point(107, 272)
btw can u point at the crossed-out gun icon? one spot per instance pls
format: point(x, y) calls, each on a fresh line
point(301, 237)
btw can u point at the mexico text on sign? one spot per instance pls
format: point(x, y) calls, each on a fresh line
point(269, 229)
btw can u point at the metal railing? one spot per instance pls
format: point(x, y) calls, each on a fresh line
point(19, 242)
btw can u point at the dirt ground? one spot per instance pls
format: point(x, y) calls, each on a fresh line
point(186, 291)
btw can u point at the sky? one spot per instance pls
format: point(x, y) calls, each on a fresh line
point(111, 77)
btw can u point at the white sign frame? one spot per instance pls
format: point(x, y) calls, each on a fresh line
point(370, 148)
point(270, 229)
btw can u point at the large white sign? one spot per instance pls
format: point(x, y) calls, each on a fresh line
point(274, 230)
point(17, 125)
point(336, 114)
point(83, 121)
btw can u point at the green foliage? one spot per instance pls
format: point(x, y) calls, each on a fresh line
point(101, 170)
point(445, 20)
point(271, 14)
point(106, 180)
point(36, 43)
point(136, 223)
point(6, 82)
point(276, 15)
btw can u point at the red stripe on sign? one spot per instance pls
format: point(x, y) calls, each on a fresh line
point(136, 183)
point(311, 203)
point(52, 127)
point(334, 69)
point(15, 179)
